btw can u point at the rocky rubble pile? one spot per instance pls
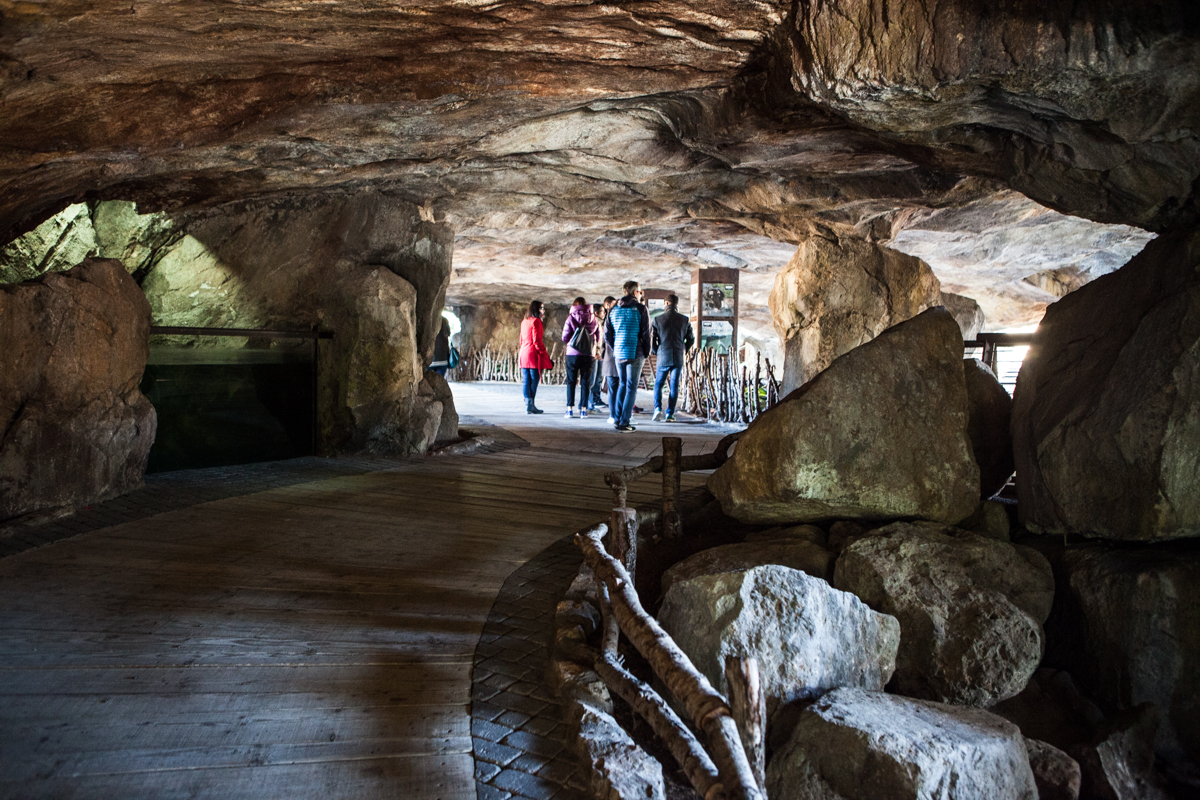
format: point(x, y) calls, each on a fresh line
point(911, 643)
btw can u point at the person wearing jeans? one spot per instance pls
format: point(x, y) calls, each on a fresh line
point(583, 323)
point(533, 356)
point(670, 338)
point(627, 333)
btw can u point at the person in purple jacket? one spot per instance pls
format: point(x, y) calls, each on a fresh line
point(579, 359)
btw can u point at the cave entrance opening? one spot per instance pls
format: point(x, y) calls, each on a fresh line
point(226, 396)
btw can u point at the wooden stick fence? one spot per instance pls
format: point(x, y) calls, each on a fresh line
point(717, 388)
point(725, 760)
point(503, 365)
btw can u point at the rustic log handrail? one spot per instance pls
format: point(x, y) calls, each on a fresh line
point(666, 724)
point(708, 709)
point(619, 480)
point(244, 333)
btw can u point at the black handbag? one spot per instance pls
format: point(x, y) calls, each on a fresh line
point(581, 341)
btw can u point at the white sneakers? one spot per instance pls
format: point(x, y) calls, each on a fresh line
point(657, 415)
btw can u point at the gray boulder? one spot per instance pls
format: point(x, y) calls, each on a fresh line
point(1106, 413)
point(620, 770)
point(1128, 629)
point(967, 313)
point(988, 426)
point(1056, 774)
point(858, 745)
point(1118, 764)
point(880, 434)
point(970, 608)
point(798, 554)
point(74, 426)
point(807, 636)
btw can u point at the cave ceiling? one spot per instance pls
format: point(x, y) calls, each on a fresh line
point(1020, 148)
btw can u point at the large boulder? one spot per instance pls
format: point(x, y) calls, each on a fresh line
point(1118, 764)
point(797, 554)
point(1127, 626)
point(836, 294)
point(858, 745)
point(988, 426)
point(74, 427)
point(967, 313)
point(880, 434)
point(807, 636)
point(371, 371)
point(970, 608)
point(1106, 413)
point(1056, 774)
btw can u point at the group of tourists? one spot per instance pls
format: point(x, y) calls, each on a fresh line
point(608, 344)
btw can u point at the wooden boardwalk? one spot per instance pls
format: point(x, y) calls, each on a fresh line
point(308, 641)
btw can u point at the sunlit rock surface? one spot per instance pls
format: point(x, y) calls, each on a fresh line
point(880, 434)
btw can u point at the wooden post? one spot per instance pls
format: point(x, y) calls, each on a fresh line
point(623, 529)
point(748, 704)
point(672, 521)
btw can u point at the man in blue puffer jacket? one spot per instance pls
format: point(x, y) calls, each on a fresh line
point(628, 335)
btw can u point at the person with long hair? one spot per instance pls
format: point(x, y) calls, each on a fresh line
point(580, 333)
point(533, 356)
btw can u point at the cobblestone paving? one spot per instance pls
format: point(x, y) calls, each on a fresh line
point(171, 491)
point(517, 728)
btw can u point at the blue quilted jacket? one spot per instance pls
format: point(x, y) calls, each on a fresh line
point(628, 329)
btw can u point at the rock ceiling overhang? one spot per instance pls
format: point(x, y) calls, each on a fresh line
point(567, 141)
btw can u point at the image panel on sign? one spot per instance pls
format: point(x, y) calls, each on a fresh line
point(717, 299)
point(716, 335)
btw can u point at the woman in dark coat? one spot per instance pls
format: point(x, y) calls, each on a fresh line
point(579, 361)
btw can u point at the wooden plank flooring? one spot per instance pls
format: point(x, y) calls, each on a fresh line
point(307, 641)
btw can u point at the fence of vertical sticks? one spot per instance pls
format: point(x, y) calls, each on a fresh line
point(727, 759)
point(712, 385)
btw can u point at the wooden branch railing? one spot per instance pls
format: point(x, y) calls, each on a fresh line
point(731, 768)
point(707, 709)
point(620, 479)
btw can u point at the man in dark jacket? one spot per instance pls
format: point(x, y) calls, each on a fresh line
point(672, 337)
point(627, 333)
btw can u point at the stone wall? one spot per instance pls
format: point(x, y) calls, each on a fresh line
point(498, 325)
point(292, 262)
point(74, 428)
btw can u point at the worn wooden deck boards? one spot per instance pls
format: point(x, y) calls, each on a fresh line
point(308, 641)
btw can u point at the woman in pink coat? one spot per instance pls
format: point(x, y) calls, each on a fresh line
point(533, 356)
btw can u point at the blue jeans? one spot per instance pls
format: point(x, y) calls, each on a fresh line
point(579, 368)
point(631, 371)
point(594, 398)
point(439, 370)
point(530, 378)
point(663, 374)
point(614, 396)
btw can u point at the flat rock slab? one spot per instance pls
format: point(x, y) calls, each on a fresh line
point(880, 434)
point(807, 636)
point(970, 608)
point(858, 745)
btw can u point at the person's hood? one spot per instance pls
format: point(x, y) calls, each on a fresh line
point(581, 314)
point(628, 301)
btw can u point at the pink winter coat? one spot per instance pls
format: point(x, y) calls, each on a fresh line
point(533, 353)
